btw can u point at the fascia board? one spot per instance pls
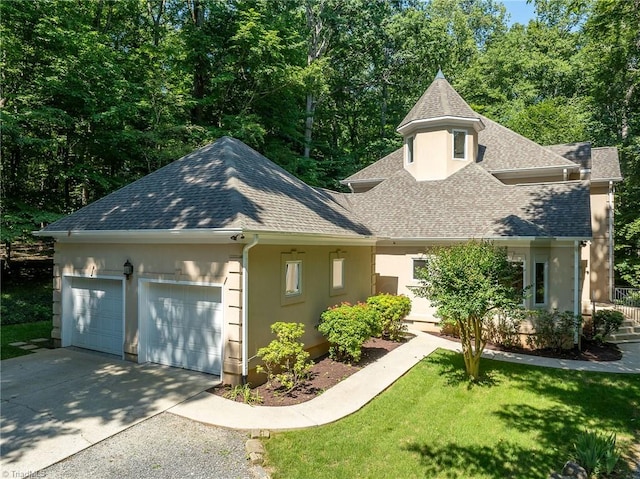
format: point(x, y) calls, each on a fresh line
point(440, 121)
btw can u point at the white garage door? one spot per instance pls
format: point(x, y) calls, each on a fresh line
point(184, 326)
point(96, 314)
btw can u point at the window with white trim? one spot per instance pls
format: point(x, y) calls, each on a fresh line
point(418, 265)
point(540, 282)
point(459, 144)
point(292, 278)
point(337, 273)
point(410, 141)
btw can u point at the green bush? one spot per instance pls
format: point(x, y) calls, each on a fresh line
point(504, 329)
point(347, 327)
point(552, 329)
point(596, 452)
point(285, 359)
point(605, 322)
point(391, 310)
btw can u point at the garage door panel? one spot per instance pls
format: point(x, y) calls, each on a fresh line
point(184, 326)
point(96, 314)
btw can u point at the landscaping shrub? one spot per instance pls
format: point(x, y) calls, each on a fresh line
point(347, 327)
point(391, 310)
point(504, 329)
point(605, 322)
point(243, 391)
point(552, 329)
point(596, 452)
point(285, 359)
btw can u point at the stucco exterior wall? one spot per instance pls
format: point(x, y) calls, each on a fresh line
point(222, 264)
point(599, 248)
point(174, 262)
point(268, 304)
point(394, 274)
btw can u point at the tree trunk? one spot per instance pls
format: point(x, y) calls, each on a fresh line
point(308, 126)
point(199, 67)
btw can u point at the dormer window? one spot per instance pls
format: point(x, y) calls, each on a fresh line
point(459, 144)
point(410, 150)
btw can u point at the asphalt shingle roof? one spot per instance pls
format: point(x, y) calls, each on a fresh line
point(473, 204)
point(605, 164)
point(439, 100)
point(381, 169)
point(224, 185)
point(579, 153)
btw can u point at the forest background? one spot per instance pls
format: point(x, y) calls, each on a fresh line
point(97, 93)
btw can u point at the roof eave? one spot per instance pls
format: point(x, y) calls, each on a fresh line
point(412, 125)
point(537, 171)
point(142, 236)
point(390, 241)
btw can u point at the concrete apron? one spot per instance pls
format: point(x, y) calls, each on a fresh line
point(57, 402)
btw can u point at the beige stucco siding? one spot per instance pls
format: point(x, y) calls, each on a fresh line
point(394, 274)
point(210, 264)
point(599, 248)
point(268, 304)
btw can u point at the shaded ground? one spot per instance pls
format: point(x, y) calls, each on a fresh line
point(326, 372)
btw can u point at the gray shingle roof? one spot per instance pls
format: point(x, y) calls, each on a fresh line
point(439, 100)
point(473, 204)
point(504, 149)
point(224, 185)
point(579, 153)
point(605, 164)
point(381, 169)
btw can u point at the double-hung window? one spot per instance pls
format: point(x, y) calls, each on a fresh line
point(540, 282)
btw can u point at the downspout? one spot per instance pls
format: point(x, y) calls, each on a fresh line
point(245, 307)
point(576, 290)
point(611, 241)
point(350, 187)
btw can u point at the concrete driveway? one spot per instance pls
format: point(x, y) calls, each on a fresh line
point(58, 402)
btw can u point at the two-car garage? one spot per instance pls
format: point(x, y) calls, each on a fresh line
point(180, 324)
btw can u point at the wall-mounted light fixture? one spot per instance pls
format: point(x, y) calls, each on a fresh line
point(128, 269)
point(237, 236)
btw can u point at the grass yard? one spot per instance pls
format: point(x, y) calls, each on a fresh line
point(521, 423)
point(25, 312)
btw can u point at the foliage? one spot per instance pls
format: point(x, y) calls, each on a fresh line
point(596, 452)
point(468, 283)
point(553, 329)
point(504, 329)
point(432, 424)
point(26, 302)
point(392, 309)
point(285, 359)
point(245, 392)
point(347, 327)
point(606, 322)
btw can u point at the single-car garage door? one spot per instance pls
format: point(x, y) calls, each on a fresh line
point(183, 326)
point(96, 314)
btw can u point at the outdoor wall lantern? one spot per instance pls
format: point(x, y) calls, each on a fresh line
point(128, 269)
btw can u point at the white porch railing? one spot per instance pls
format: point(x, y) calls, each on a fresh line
point(627, 301)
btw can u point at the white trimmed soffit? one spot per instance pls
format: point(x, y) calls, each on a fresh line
point(365, 182)
point(509, 241)
point(605, 181)
point(204, 236)
point(454, 121)
point(538, 171)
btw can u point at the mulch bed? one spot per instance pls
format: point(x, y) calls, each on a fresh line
point(326, 372)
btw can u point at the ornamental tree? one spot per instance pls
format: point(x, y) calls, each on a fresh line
point(469, 284)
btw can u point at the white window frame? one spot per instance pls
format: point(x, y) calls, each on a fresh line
point(413, 267)
point(295, 296)
point(410, 147)
point(545, 281)
point(296, 266)
point(453, 144)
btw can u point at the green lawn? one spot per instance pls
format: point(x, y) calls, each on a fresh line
point(12, 333)
point(25, 312)
point(431, 424)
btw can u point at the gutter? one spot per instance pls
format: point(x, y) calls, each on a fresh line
point(576, 290)
point(245, 307)
point(610, 214)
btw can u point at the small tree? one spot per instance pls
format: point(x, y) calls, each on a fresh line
point(468, 284)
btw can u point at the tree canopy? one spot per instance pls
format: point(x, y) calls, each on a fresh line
point(96, 94)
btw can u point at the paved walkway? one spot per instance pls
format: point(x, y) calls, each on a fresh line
point(357, 390)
